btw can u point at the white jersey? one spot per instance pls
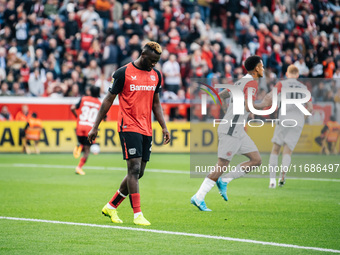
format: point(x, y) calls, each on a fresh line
point(236, 123)
point(292, 112)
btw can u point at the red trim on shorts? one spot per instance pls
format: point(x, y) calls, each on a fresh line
point(126, 153)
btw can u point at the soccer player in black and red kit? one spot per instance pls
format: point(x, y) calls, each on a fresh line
point(137, 85)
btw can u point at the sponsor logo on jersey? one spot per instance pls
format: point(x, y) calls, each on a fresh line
point(134, 77)
point(134, 87)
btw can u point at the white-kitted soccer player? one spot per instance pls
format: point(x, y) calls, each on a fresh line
point(232, 138)
point(287, 135)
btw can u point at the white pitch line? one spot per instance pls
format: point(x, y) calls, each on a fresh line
point(175, 233)
point(94, 168)
point(148, 170)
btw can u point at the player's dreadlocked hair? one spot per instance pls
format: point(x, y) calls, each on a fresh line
point(252, 62)
point(153, 46)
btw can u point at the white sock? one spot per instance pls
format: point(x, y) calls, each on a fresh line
point(110, 206)
point(273, 162)
point(135, 215)
point(205, 188)
point(286, 159)
point(234, 174)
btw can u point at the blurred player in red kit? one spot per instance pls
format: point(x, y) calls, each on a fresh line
point(88, 107)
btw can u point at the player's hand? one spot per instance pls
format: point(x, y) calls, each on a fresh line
point(92, 134)
point(166, 136)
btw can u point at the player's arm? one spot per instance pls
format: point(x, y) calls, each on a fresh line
point(267, 101)
point(118, 80)
point(158, 112)
point(224, 94)
point(74, 108)
point(268, 98)
point(309, 107)
point(252, 86)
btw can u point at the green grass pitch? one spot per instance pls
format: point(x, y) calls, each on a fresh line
point(304, 212)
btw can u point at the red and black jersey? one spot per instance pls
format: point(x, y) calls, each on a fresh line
point(89, 107)
point(135, 89)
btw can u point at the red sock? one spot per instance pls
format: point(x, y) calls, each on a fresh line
point(82, 162)
point(117, 199)
point(135, 202)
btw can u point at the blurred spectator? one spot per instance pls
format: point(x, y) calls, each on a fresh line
point(86, 38)
point(24, 114)
point(252, 40)
point(241, 27)
point(198, 64)
point(301, 65)
point(5, 114)
point(329, 97)
point(13, 61)
point(32, 133)
point(92, 71)
point(91, 18)
point(103, 9)
point(3, 58)
point(337, 104)
point(35, 84)
point(95, 51)
point(74, 91)
point(275, 60)
point(16, 90)
point(329, 67)
point(51, 9)
point(336, 77)
point(4, 91)
point(266, 17)
point(281, 17)
point(204, 6)
point(116, 11)
point(172, 75)
point(103, 83)
point(319, 92)
point(71, 26)
point(21, 33)
point(207, 55)
point(175, 115)
point(110, 57)
point(10, 15)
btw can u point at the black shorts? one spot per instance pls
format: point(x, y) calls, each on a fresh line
point(135, 145)
point(83, 140)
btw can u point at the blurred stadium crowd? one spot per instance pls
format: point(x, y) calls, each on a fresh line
point(60, 48)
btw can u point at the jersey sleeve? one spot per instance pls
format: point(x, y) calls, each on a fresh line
point(78, 104)
point(118, 80)
point(279, 87)
point(159, 81)
point(252, 85)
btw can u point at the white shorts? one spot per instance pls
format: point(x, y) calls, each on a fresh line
point(228, 146)
point(287, 135)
